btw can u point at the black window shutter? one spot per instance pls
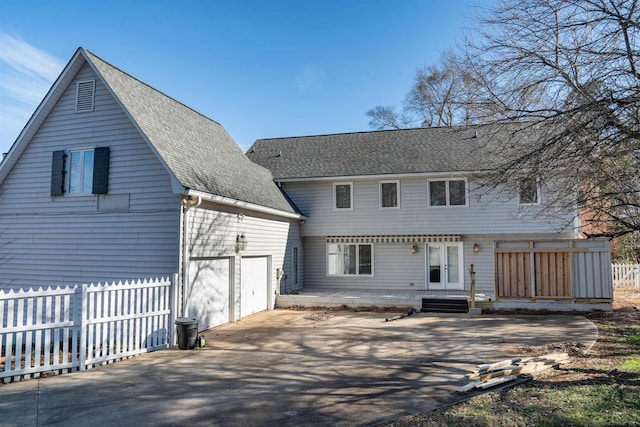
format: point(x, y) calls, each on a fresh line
point(100, 170)
point(57, 173)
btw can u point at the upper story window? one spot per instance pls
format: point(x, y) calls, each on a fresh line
point(349, 259)
point(529, 192)
point(342, 195)
point(389, 194)
point(448, 192)
point(80, 171)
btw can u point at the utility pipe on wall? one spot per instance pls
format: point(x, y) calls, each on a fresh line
point(187, 204)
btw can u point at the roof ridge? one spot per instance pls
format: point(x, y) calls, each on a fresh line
point(149, 86)
point(373, 131)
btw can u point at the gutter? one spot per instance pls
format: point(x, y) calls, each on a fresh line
point(243, 205)
point(187, 204)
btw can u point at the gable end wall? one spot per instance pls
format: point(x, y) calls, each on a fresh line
point(131, 232)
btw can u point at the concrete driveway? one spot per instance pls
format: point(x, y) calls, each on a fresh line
point(289, 368)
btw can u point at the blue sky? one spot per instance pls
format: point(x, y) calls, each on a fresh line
point(260, 68)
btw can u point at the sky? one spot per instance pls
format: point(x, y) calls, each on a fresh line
point(262, 69)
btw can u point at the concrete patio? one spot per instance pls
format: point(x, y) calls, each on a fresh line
point(290, 368)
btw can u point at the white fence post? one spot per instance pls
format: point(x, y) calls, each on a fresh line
point(626, 274)
point(64, 329)
point(83, 328)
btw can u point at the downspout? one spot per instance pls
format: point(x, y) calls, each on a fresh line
point(187, 204)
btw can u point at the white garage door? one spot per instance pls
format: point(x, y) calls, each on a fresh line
point(208, 294)
point(254, 287)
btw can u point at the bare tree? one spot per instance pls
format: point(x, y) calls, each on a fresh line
point(567, 70)
point(439, 96)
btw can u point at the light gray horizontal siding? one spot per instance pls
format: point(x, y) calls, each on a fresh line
point(394, 268)
point(491, 214)
point(213, 228)
point(67, 239)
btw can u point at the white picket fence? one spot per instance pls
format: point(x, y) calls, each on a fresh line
point(626, 275)
point(64, 329)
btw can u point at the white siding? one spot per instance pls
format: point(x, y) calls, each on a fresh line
point(212, 232)
point(396, 268)
point(67, 239)
point(484, 220)
point(492, 214)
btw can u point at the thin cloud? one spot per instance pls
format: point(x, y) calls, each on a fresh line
point(28, 60)
point(26, 74)
point(27, 90)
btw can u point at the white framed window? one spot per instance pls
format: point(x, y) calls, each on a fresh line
point(349, 259)
point(80, 171)
point(448, 192)
point(528, 191)
point(343, 196)
point(389, 194)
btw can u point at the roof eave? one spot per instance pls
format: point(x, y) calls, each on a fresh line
point(227, 201)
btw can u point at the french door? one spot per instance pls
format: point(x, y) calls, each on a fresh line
point(445, 266)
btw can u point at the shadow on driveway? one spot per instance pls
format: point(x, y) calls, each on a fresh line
point(282, 368)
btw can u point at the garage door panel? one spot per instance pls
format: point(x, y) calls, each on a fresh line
point(254, 286)
point(208, 295)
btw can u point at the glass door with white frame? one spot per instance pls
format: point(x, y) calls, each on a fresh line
point(444, 266)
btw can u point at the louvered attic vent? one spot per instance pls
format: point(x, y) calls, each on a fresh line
point(84, 96)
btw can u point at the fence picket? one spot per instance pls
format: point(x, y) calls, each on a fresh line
point(37, 324)
point(626, 275)
point(19, 335)
point(28, 334)
point(63, 329)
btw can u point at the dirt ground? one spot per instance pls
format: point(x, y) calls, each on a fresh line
point(595, 365)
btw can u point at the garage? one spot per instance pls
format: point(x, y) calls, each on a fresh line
point(208, 296)
point(254, 289)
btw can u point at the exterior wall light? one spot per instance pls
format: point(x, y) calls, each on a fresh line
point(241, 242)
point(476, 248)
point(414, 248)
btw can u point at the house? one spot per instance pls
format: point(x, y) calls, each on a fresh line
point(111, 179)
point(405, 210)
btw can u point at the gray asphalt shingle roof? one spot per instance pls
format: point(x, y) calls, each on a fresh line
point(198, 150)
point(405, 151)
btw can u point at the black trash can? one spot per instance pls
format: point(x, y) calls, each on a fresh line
point(187, 328)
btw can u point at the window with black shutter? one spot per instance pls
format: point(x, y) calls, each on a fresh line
point(80, 172)
point(57, 173)
point(100, 170)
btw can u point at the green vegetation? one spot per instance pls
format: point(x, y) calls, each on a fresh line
point(597, 388)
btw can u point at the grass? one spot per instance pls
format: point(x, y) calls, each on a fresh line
point(598, 388)
point(631, 365)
